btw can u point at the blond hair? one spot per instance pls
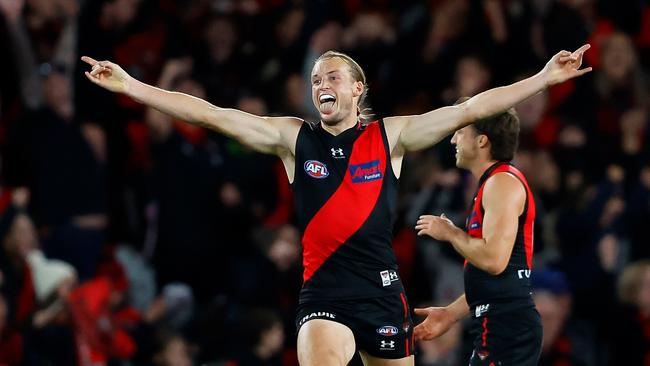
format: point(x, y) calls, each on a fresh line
point(364, 113)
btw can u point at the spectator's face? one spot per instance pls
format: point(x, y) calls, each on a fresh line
point(553, 313)
point(530, 111)
point(44, 8)
point(273, 339)
point(221, 37)
point(472, 77)
point(618, 57)
point(56, 90)
point(643, 298)
point(175, 353)
point(284, 254)
point(124, 11)
point(466, 142)
point(288, 30)
point(22, 237)
point(335, 93)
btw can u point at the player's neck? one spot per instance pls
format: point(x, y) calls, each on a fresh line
point(480, 167)
point(341, 126)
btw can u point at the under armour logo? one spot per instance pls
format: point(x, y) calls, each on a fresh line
point(387, 345)
point(337, 153)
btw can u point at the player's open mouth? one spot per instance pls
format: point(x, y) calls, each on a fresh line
point(326, 103)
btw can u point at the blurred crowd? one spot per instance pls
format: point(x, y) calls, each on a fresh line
point(131, 238)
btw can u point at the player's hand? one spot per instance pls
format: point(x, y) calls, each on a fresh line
point(565, 65)
point(437, 322)
point(437, 227)
point(108, 75)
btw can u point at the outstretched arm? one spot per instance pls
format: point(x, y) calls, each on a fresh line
point(421, 131)
point(275, 135)
point(503, 200)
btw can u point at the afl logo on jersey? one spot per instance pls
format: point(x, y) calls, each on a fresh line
point(316, 169)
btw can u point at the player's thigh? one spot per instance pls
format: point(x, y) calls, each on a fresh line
point(325, 342)
point(369, 360)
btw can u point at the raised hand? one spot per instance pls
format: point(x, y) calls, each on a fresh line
point(108, 75)
point(437, 322)
point(12, 9)
point(565, 65)
point(173, 69)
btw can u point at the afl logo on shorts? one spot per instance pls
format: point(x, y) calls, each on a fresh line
point(316, 169)
point(387, 331)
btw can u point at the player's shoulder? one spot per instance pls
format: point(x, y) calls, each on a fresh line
point(503, 186)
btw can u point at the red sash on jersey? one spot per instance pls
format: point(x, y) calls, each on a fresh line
point(349, 207)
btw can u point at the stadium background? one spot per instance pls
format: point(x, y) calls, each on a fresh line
point(182, 240)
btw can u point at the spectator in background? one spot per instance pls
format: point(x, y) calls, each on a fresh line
point(262, 335)
point(11, 341)
point(610, 107)
point(576, 132)
point(171, 350)
point(472, 77)
point(186, 175)
point(565, 341)
point(61, 161)
point(629, 337)
point(36, 288)
point(639, 215)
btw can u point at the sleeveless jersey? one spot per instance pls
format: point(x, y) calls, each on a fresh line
point(345, 196)
point(512, 287)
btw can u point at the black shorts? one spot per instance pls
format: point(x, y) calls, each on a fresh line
point(509, 338)
point(382, 326)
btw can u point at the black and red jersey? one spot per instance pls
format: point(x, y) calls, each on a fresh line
point(513, 284)
point(345, 196)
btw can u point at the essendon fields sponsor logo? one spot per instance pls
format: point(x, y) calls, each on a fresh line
point(316, 169)
point(387, 331)
point(365, 172)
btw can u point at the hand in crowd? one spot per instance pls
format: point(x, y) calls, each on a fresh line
point(173, 69)
point(12, 10)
